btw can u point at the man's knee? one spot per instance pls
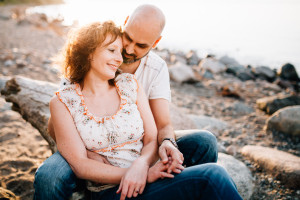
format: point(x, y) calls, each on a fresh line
point(54, 172)
point(54, 179)
point(204, 137)
point(198, 147)
point(201, 138)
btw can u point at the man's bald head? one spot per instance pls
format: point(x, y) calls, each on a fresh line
point(149, 16)
point(142, 32)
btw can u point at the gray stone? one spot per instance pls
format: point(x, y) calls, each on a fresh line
point(180, 72)
point(235, 69)
point(283, 166)
point(178, 57)
point(21, 63)
point(212, 64)
point(264, 73)
point(240, 174)
point(239, 108)
point(226, 60)
point(211, 124)
point(221, 148)
point(274, 103)
point(206, 74)
point(192, 58)
point(288, 72)
point(8, 63)
point(286, 120)
point(245, 75)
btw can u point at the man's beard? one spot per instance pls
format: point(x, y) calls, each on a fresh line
point(133, 59)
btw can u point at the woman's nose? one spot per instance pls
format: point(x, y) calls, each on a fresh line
point(119, 58)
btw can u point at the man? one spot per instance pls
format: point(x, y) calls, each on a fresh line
point(142, 32)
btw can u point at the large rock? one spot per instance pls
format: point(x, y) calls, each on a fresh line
point(284, 166)
point(288, 72)
point(265, 73)
point(239, 109)
point(240, 174)
point(274, 103)
point(181, 72)
point(235, 69)
point(237, 170)
point(286, 120)
point(31, 99)
point(212, 65)
point(211, 124)
point(179, 120)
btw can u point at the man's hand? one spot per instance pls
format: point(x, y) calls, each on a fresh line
point(97, 157)
point(134, 180)
point(158, 171)
point(166, 150)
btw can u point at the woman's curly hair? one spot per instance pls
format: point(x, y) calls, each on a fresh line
point(81, 44)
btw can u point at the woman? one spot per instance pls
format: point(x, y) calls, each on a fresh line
point(103, 113)
point(110, 115)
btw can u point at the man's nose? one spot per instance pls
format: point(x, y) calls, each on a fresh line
point(130, 48)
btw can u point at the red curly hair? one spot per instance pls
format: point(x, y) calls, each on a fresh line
point(81, 44)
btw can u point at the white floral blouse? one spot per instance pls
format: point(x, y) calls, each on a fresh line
point(118, 137)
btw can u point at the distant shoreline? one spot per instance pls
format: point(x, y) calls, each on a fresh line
point(250, 39)
point(30, 2)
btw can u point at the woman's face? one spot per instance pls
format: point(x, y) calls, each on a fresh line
point(107, 58)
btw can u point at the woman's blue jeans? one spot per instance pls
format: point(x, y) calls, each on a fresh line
point(54, 179)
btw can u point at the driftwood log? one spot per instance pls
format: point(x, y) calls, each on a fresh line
point(31, 99)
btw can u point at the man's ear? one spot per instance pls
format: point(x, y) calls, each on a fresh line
point(155, 43)
point(126, 20)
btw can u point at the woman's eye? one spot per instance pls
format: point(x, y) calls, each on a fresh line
point(111, 50)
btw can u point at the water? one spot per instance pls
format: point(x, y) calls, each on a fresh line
point(256, 32)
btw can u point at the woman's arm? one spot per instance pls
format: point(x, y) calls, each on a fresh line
point(149, 151)
point(135, 178)
point(73, 150)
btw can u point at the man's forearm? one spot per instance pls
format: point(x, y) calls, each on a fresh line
point(165, 132)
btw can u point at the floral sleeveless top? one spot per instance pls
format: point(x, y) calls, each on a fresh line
point(117, 137)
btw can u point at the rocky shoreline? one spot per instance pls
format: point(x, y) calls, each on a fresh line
point(248, 108)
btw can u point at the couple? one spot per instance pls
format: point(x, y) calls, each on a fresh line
point(111, 128)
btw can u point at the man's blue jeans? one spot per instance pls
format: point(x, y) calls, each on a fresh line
point(54, 179)
point(207, 181)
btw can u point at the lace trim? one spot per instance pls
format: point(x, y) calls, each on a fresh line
point(58, 95)
point(137, 89)
point(90, 115)
point(106, 149)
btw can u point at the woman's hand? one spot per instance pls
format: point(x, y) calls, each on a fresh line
point(159, 170)
point(134, 180)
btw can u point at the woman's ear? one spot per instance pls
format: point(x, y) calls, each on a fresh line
point(155, 43)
